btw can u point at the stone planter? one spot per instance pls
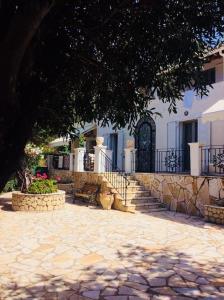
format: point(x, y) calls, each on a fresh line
point(106, 200)
point(214, 214)
point(67, 187)
point(38, 202)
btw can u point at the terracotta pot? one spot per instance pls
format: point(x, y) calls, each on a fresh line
point(106, 200)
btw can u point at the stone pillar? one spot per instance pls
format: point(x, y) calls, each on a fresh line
point(71, 162)
point(195, 159)
point(129, 160)
point(79, 159)
point(100, 162)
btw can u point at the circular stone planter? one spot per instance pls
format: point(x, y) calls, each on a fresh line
point(214, 214)
point(38, 202)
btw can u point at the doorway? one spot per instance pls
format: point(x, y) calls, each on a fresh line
point(113, 147)
point(190, 135)
point(145, 138)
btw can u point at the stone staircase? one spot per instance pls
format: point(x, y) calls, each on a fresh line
point(140, 199)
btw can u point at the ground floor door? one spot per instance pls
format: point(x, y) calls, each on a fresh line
point(113, 147)
point(145, 135)
point(190, 135)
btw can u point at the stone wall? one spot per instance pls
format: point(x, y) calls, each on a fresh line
point(80, 178)
point(183, 193)
point(214, 214)
point(64, 174)
point(37, 202)
point(67, 187)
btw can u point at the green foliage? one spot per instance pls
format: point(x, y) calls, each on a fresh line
point(41, 136)
point(105, 60)
point(11, 185)
point(65, 149)
point(46, 150)
point(44, 186)
point(82, 140)
point(109, 51)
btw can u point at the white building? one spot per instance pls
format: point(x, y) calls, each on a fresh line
point(156, 136)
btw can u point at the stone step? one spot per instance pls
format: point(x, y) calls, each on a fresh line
point(133, 189)
point(151, 210)
point(148, 200)
point(148, 204)
point(138, 195)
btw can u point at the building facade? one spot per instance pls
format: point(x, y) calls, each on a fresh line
point(161, 143)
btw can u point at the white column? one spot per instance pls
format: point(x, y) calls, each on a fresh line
point(195, 159)
point(100, 162)
point(50, 162)
point(79, 159)
point(71, 162)
point(129, 160)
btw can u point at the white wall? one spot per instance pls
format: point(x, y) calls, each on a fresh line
point(168, 127)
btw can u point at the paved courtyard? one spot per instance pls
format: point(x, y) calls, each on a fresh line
point(87, 253)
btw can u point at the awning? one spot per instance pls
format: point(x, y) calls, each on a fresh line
point(214, 113)
point(59, 142)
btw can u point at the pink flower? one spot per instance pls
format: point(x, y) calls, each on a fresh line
point(44, 176)
point(58, 178)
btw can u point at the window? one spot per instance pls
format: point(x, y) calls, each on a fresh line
point(209, 76)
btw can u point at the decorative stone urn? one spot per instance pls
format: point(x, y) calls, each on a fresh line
point(130, 144)
point(38, 202)
point(99, 141)
point(106, 200)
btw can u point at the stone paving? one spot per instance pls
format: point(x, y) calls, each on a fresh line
point(87, 253)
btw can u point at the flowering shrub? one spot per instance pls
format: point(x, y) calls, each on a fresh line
point(42, 186)
point(58, 178)
point(41, 176)
point(63, 180)
point(32, 156)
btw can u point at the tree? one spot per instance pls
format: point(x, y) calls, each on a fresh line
point(66, 62)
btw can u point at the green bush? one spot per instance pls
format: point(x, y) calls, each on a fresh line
point(11, 185)
point(45, 186)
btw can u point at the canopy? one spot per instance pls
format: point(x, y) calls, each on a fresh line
point(214, 112)
point(59, 142)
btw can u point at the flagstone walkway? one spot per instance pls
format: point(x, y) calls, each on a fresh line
point(87, 253)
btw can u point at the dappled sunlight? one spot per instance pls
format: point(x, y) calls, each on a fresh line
point(84, 253)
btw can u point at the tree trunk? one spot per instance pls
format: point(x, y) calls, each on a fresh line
point(16, 119)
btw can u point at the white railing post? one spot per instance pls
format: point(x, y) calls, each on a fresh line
point(100, 152)
point(100, 163)
point(129, 160)
point(79, 159)
point(71, 162)
point(50, 162)
point(195, 159)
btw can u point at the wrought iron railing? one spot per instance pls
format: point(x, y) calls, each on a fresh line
point(117, 178)
point(88, 160)
point(61, 162)
point(145, 160)
point(173, 160)
point(212, 160)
